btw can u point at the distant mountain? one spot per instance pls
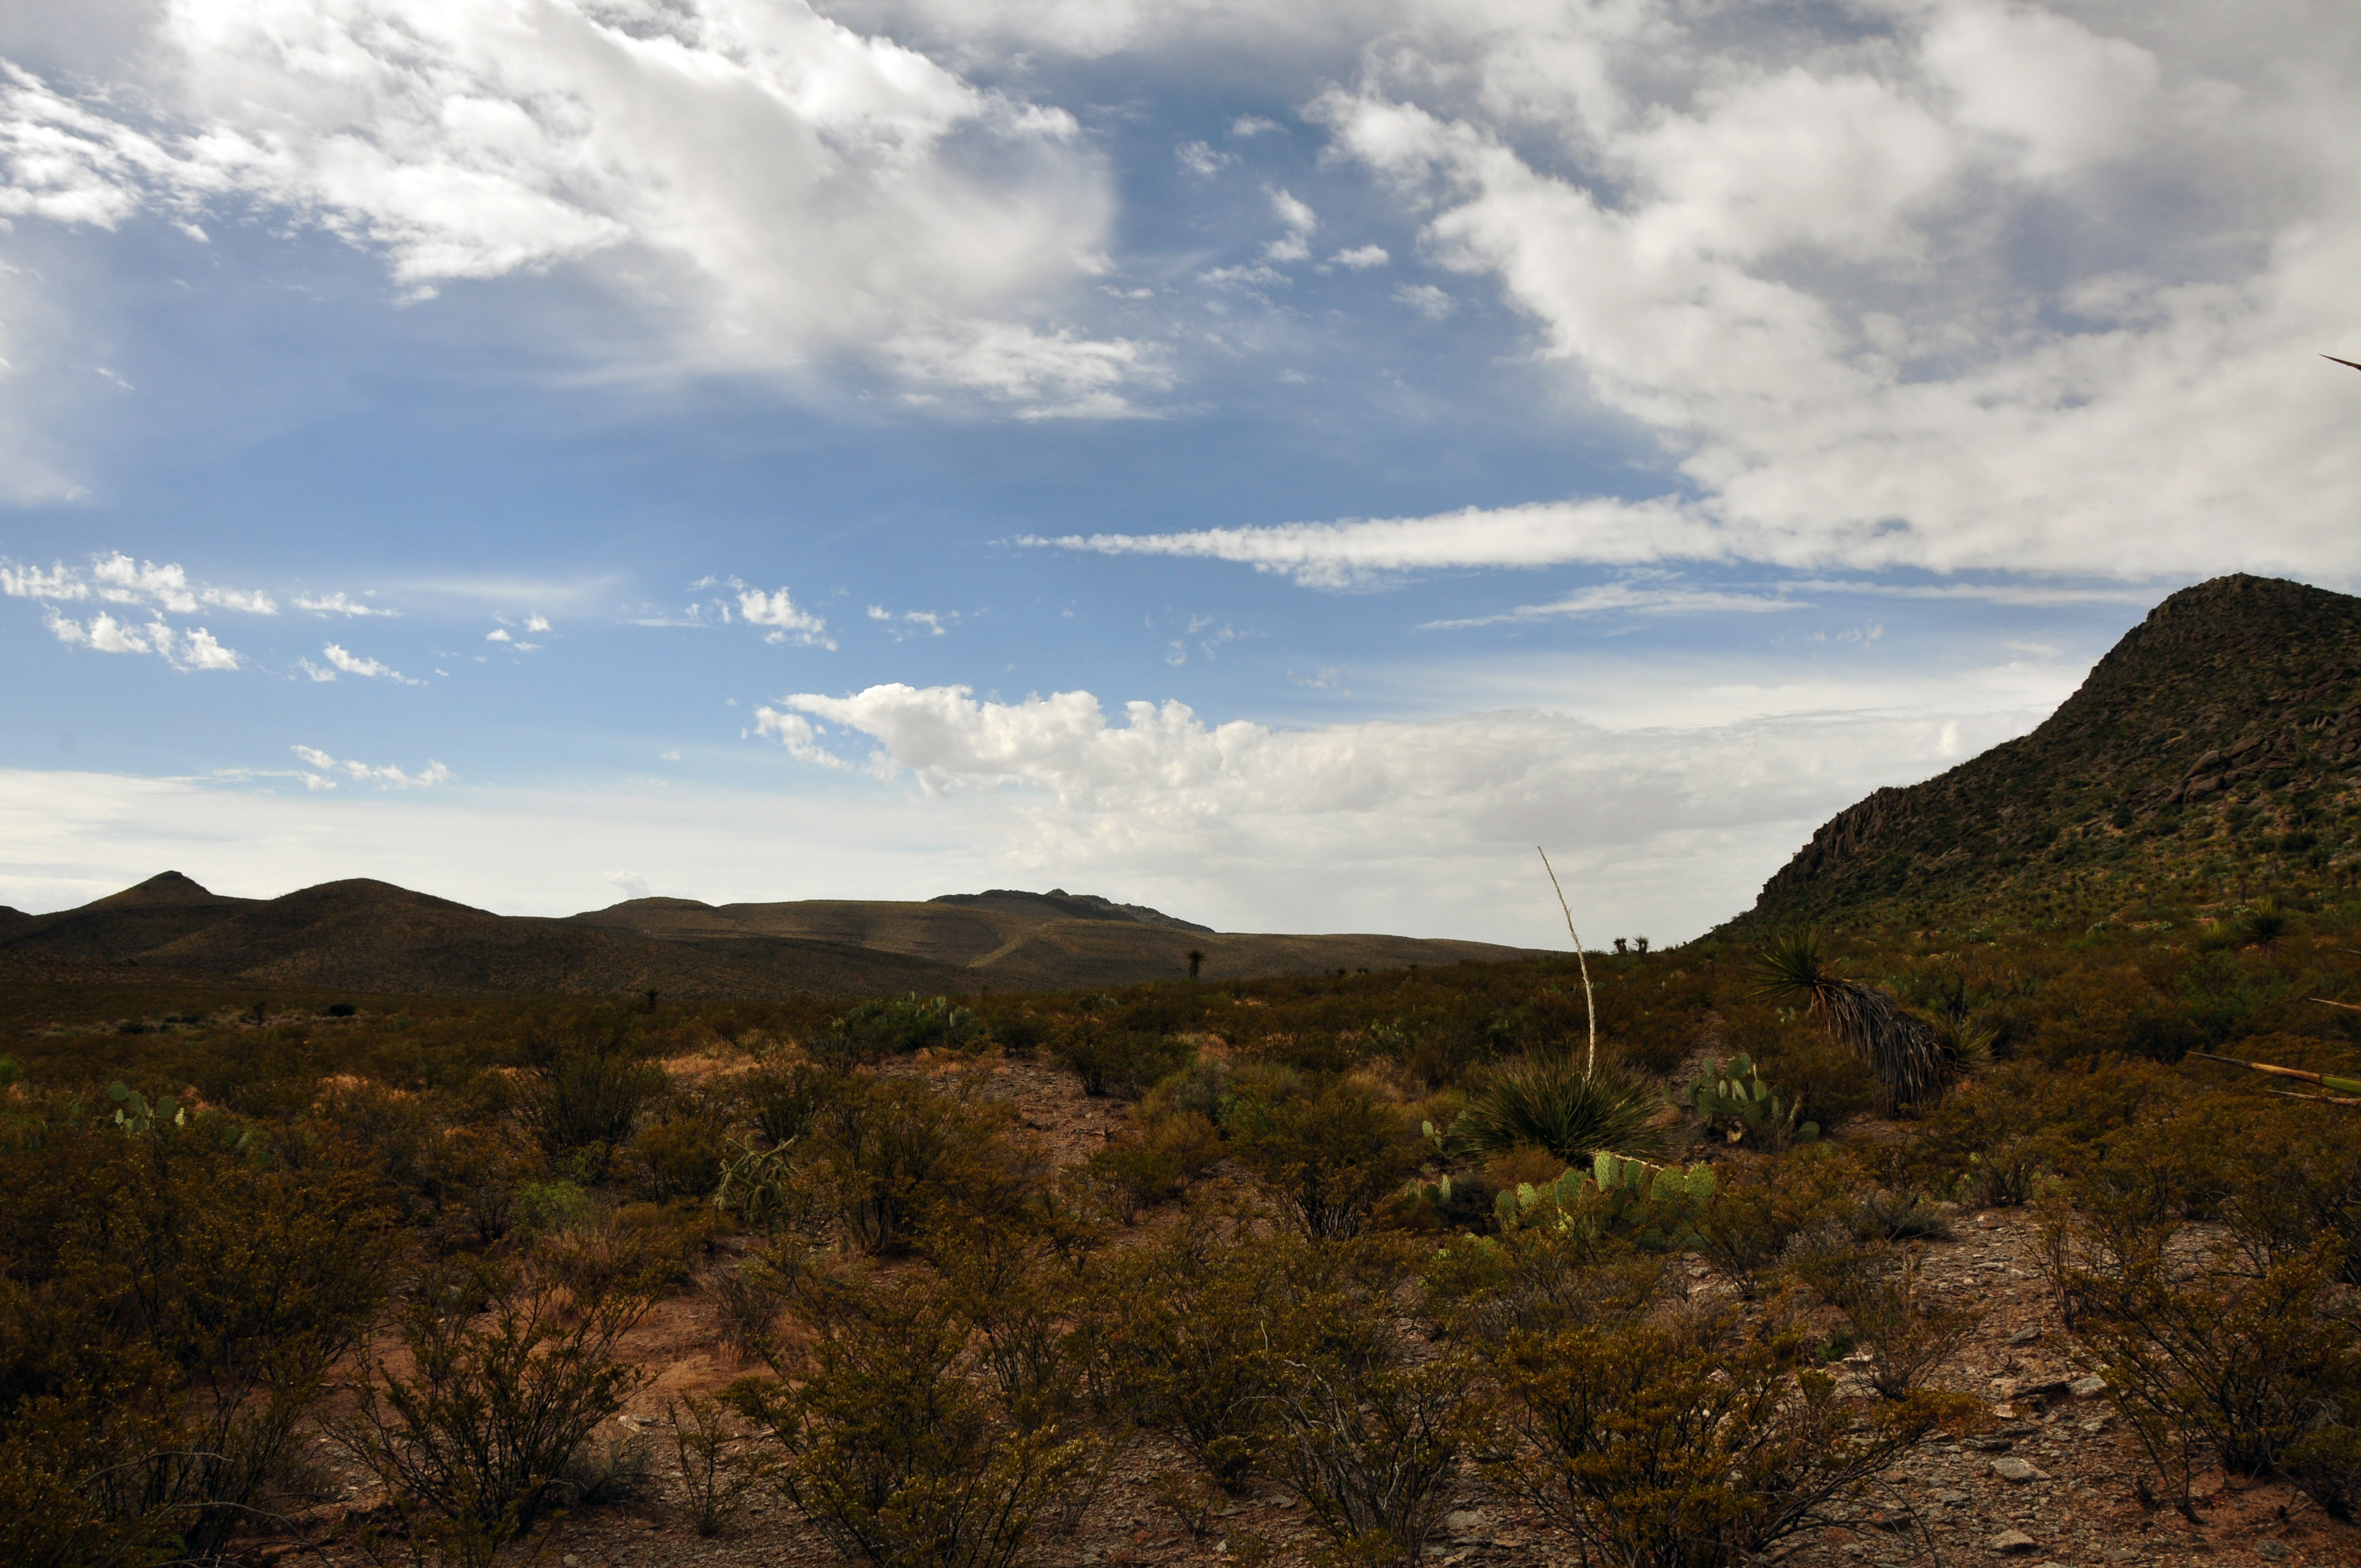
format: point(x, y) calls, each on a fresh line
point(1059, 904)
point(371, 936)
point(2203, 760)
point(1026, 941)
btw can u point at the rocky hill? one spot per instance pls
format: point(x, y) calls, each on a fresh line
point(372, 937)
point(2207, 760)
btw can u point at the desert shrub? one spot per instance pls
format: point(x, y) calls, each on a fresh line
point(1149, 1165)
point(1876, 1288)
point(679, 1154)
point(1759, 1207)
point(891, 1446)
point(1686, 1445)
point(781, 1098)
point(547, 1207)
point(1329, 1159)
point(1552, 1104)
point(512, 1370)
point(889, 1157)
point(1485, 1289)
point(1373, 1445)
point(1884, 1214)
point(1181, 1325)
point(479, 1171)
point(169, 1318)
point(716, 1471)
point(588, 1086)
point(2238, 1354)
point(1835, 1085)
point(1118, 1061)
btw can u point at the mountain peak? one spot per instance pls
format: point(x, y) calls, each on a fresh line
point(2227, 716)
point(164, 888)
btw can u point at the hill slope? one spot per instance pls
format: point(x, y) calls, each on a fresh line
point(2205, 760)
point(371, 936)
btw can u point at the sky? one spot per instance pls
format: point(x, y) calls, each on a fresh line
point(1278, 462)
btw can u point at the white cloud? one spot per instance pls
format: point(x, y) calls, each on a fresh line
point(1981, 287)
point(1426, 300)
point(536, 623)
point(1332, 555)
point(116, 578)
point(498, 634)
point(766, 186)
point(1158, 785)
point(1247, 127)
point(1361, 258)
point(1639, 596)
point(339, 604)
point(367, 668)
point(630, 884)
point(1297, 220)
point(185, 651)
point(1202, 159)
point(787, 623)
point(435, 772)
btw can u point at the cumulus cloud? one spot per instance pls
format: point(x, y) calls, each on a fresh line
point(1299, 220)
point(187, 651)
point(327, 767)
point(355, 664)
point(1157, 779)
point(787, 623)
point(1794, 254)
point(1361, 258)
point(768, 183)
point(116, 578)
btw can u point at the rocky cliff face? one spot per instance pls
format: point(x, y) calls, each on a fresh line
point(2209, 753)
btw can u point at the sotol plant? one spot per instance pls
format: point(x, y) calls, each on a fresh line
point(1902, 1051)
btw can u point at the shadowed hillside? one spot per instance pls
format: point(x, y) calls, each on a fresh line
point(2205, 760)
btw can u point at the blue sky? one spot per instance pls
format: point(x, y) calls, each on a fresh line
point(1275, 462)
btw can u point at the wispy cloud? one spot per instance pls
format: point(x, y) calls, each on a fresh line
point(339, 604)
point(787, 623)
point(116, 578)
point(1641, 597)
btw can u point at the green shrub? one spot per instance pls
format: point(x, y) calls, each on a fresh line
point(890, 1158)
point(680, 1154)
point(1118, 1061)
point(588, 1086)
point(1150, 1165)
point(1330, 1158)
point(892, 1446)
point(511, 1370)
point(1689, 1445)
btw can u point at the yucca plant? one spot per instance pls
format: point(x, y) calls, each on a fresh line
point(1548, 1103)
point(1902, 1051)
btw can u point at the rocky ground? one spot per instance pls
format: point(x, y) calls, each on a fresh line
point(2052, 1484)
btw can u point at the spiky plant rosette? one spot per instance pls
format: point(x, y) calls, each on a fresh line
point(1549, 1102)
point(1902, 1049)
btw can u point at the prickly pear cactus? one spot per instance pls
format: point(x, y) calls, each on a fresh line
point(1657, 1207)
point(1735, 1100)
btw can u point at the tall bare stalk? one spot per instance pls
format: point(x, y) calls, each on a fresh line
point(1589, 1012)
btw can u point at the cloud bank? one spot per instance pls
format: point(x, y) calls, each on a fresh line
point(763, 185)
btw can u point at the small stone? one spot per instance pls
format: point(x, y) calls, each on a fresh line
point(2271, 1550)
point(2088, 1387)
point(571, 1561)
point(2024, 1336)
point(1951, 1496)
point(2016, 1471)
point(2012, 1543)
point(2120, 1554)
